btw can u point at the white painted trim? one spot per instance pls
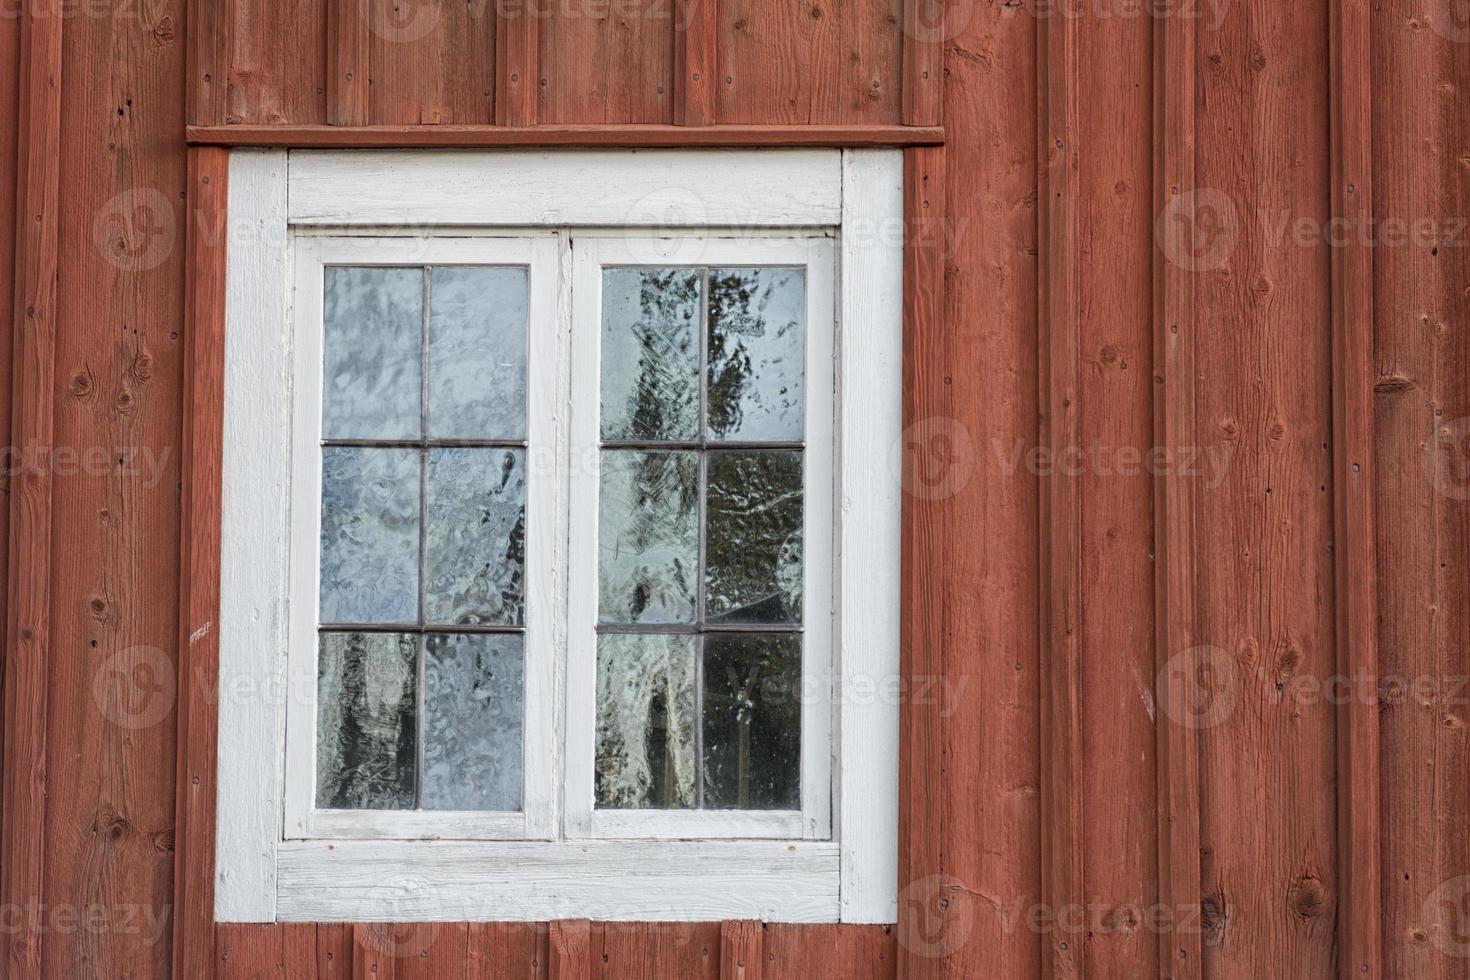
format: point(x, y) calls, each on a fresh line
point(262, 877)
point(252, 555)
point(544, 513)
point(613, 880)
point(870, 345)
point(619, 188)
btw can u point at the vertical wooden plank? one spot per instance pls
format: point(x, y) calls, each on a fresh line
point(9, 163)
point(432, 61)
point(1060, 311)
point(852, 952)
point(1353, 465)
point(612, 66)
point(517, 64)
point(923, 61)
point(696, 61)
point(1422, 355)
point(570, 950)
point(347, 62)
point(656, 950)
point(506, 951)
point(299, 954)
point(1264, 528)
point(980, 383)
point(28, 635)
point(278, 62)
point(250, 952)
point(209, 46)
point(376, 950)
point(1175, 430)
point(206, 241)
point(742, 950)
point(433, 951)
point(816, 61)
point(333, 951)
point(117, 402)
point(1114, 561)
point(927, 531)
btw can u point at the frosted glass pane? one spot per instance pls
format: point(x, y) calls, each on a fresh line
point(472, 722)
point(757, 349)
point(373, 353)
point(753, 547)
point(752, 722)
point(650, 354)
point(649, 536)
point(366, 689)
point(370, 535)
point(645, 722)
point(477, 353)
point(474, 549)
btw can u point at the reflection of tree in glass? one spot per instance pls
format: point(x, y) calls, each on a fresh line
point(665, 401)
point(661, 483)
point(740, 316)
point(645, 722)
point(367, 692)
point(753, 544)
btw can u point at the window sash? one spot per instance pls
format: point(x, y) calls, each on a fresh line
point(590, 255)
point(545, 526)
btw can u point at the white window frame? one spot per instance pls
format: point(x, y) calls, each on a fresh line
point(277, 859)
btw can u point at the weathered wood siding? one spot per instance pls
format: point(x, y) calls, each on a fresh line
point(1161, 745)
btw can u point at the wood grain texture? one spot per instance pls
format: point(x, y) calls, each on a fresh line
point(432, 62)
point(817, 61)
point(923, 903)
point(349, 41)
point(570, 950)
point(652, 136)
point(742, 951)
point(28, 633)
point(517, 64)
point(1359, 823)
point(696, 61)
point(982, 373)
point(796, 952)
point(606, 62)
point(277, 62)
point(1175, 572)
point(206, 242)
point(208, 61)
point(1422, 402)
point(1264, 529)
point(1059, 313)
point(923, 60)
point(9, 151)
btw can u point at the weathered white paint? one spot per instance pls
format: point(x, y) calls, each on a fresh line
point(616, 880)
point(870, 344)
point(262, 875)
point(669, 189)
point(252, 642)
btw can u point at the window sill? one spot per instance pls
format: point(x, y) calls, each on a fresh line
point(676, 881)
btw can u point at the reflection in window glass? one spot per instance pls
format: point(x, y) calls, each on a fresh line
point(422, 561)
point(700, 517)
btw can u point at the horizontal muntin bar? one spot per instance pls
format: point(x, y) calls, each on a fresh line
point(712, 445)
point(424, 444)
point(417, 628)
point(697, 629)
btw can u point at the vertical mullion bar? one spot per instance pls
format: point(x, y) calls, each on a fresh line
point(703, 439)
point(423, 638)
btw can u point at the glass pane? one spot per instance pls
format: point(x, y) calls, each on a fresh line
point(472, 722)
point(475, 545)
point(373, 353)
point(649, 536)
point(752, 721)
point(753, 537)
point(756, 354)
point(645, 722)
point(477, 353)
point(366, 689)
point(650, 354)
point(370, 535)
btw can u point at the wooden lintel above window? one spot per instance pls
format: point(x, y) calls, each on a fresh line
point(470, 137)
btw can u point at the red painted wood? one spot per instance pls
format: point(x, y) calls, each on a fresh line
point(566, 136)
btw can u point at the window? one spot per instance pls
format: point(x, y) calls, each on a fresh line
point(554, 513)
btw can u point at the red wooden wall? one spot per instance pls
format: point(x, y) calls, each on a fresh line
point(1206, 718)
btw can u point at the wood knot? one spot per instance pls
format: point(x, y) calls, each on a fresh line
point(1393, 384)
point(163, 32)
point(125, 403)
point(1108, 355)
point(1307, 897)
point(98, 605)
point(142, 368)
point(82, 384)
point(163, 841)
